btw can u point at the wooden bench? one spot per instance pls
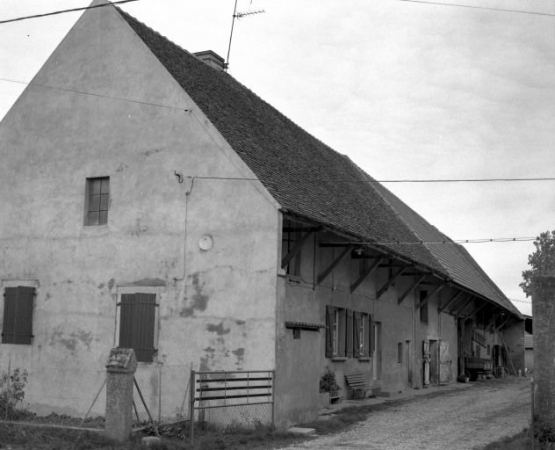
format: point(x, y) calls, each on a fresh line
point(358, 384)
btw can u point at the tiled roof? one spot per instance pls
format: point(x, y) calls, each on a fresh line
point(306, 176)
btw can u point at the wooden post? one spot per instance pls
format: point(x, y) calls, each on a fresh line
point(192, 407)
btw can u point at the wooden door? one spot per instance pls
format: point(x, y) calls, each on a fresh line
point(445, 363)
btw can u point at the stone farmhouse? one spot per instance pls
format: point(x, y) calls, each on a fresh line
point(152, 201)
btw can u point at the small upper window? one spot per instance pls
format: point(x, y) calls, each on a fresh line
point(97, 201)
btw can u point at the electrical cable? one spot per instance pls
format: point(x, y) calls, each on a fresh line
point(62, 11)
point(75, 91)
point(368, 181)
point(448, 241)
point(479, 7)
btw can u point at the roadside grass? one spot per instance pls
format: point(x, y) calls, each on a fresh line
point(520, 441)
point(21, 437)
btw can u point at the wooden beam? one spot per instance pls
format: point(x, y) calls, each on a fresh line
point(414, 274)
point(464, 306)
point(334, 263)
point(492, 321)
point(334, 244)
point(472, 299)
point(407, 292)
point(477, 310)
point(450, 301)
point(390, 282)
point(430, 296)
point(497, 329)
point(297, 247)
point(366, 274)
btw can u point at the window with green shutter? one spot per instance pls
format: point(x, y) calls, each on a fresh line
point(138, 324)
point(18, 315)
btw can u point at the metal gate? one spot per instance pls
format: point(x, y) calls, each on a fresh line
point(244, 393)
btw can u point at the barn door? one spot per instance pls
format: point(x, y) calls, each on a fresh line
point(445, 369)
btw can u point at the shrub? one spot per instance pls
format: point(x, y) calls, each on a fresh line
point(12, 391)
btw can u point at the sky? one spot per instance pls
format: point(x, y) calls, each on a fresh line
point(408, 90)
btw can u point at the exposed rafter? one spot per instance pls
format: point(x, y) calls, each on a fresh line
point(462, 307)
point(412, 287)
point(390, 282)
point(431, 295)
point(297, 247)
point(371, 269)
point(477, 310)
point(334, 263)
point(450, 301)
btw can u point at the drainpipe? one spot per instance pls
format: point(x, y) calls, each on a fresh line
point(189, 183)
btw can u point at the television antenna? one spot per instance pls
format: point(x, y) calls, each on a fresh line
point(238, 15)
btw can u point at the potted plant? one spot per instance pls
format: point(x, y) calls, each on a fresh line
point(329, 384)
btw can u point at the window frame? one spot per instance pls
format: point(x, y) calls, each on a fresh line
point(133, 290)
point(345, 337)
point(363, 322)
point(103, 205)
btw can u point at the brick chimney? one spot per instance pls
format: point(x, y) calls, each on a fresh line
point(211, 58)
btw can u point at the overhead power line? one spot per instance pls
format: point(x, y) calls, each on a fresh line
point(452, 242)
point(315, 180)
point(63, 11)
point(110, 97)
point(480, 7)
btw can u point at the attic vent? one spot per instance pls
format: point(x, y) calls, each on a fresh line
point(211, 58)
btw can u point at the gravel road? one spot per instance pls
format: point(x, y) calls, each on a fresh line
point(462, 419)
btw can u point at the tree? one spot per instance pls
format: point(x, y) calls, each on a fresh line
point(542, 261)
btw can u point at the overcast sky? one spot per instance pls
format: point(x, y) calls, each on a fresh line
point(407, 90)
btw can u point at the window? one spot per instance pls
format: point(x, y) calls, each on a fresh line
point(137, 326)
point(361, 334)
point(290, 236)
point(423, 308)
point(348, 333)
point(336, 325)
point(97, 201)
point(18, 315)
point(400, 352)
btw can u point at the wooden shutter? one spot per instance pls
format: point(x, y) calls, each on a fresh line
point(137, 324)
point(349, 339)
point(8, 328)
point(24, 316)
point(18, 315)
point(356, 333)
point(329, 331)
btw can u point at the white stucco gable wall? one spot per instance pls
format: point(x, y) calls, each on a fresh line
point(104, 106)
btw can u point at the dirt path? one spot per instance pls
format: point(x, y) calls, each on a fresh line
point(456, 420)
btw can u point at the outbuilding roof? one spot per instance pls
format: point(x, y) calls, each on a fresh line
point(310, 179)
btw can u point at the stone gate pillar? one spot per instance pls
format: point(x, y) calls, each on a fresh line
point(120, 371)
